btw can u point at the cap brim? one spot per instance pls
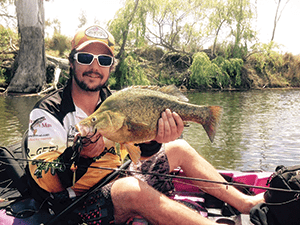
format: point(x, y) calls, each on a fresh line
point(86, 43)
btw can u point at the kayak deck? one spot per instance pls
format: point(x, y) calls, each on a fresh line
point(217, 210)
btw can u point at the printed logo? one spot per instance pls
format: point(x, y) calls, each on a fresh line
point(46, 149)
point(36, 123)
point(96, 32)
point(39, 122)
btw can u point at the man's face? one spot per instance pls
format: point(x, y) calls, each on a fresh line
point(91, 77)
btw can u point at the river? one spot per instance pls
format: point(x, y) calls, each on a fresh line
point(259, 128)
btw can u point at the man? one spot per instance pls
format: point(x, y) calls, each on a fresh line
point(52, 133)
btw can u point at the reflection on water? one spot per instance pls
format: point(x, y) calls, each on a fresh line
point(259, 129)
point(14, 117)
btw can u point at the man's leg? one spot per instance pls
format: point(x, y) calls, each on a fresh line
point(180, 153)
point(133, 197)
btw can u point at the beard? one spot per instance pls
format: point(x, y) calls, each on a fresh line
point(84, 86)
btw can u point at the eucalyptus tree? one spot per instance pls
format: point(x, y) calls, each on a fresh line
point(30, 65)
point(278, 14)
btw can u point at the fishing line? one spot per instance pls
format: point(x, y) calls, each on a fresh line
point(165, 175)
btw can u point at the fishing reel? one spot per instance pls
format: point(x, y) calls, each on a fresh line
point(82, 141)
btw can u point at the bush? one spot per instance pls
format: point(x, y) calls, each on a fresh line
point(219, 72)
point(128, 73)
point(201, 71)
point(8, 43)
point(271, 67)
point(58, 42)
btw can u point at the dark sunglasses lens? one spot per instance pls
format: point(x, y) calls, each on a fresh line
point(104, 60)
point(85, 58)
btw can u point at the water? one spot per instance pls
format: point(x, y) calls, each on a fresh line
point(14, 117)
point(259, 128)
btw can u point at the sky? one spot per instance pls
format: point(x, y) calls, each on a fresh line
point(287, 31)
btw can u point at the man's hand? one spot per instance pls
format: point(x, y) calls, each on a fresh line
point(170, 127)
point(94, 148)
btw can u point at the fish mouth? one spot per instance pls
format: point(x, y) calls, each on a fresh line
point(83, 130)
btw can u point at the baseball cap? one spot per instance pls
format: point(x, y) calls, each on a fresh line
point(93, 34)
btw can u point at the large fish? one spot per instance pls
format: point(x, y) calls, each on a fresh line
point(131, 116)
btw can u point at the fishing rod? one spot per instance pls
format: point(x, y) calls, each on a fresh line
point(73, 205)
point(225, 183)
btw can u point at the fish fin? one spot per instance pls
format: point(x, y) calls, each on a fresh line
point(123, 152)
point(134, 151)
point(212, 123)
point(173, 90)
point(169, 89)
point(135, 125)
point(116, 119)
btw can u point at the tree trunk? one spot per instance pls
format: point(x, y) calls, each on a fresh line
point(30, 65)
point(275, 20)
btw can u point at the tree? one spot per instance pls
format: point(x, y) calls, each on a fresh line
point(5, 16)
point(121, 27)
point(177, 25)
point(277, 16)
point(239, 21)
point(82, 19)
point(30, 64)
point(217, 19)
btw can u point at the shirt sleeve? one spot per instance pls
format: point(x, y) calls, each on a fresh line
point(149, 149)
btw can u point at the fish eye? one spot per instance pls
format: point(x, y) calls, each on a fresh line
point(94, 119)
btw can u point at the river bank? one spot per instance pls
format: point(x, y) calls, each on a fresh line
point(198, 72)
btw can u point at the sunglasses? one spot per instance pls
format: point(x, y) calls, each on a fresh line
point(85, 58)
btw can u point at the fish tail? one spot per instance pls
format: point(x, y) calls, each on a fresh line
point(211, 123)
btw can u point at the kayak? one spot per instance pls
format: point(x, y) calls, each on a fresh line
point(216, 209)
point(207, 205)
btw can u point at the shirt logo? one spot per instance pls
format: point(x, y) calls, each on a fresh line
point(36, 123)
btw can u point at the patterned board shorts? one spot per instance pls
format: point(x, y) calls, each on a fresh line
point(98, 207)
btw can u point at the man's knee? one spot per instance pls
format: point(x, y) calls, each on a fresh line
point(128, 196)
point(126, 189)
point(179, 152)
point(177, 146)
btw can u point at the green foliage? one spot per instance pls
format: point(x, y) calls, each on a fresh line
point(226, 50)
point(219, 72)
point(266, 59)
point(58, 42)
point(133, 22)
point(129, 73)
point(273, 69)
point(8, 43)
point(233, 20)
point(231, 71)
point(202, 71)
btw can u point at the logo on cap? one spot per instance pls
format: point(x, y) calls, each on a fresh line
point(96, 32)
